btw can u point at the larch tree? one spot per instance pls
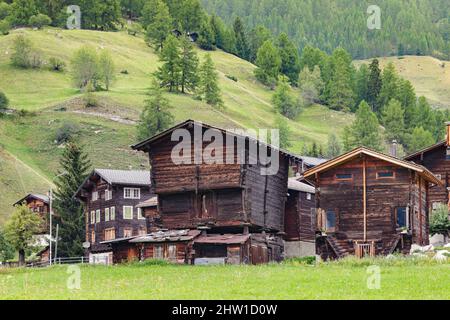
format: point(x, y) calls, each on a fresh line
point(283, 100)
point(284, 132)
point(364, 131)
point(419, 139)
point(311, 85)
point(374, 84)
point(290, 60)
point(393, 117)
point(389, 87)
point(188, 65)
point(169, 73)
point(74, 168)
point(209, 89)
point(156, 116)
point(334, 147)
point(160, 27)
point(241, 39)
point(269, 62)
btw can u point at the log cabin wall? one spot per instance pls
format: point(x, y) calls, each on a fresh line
point(300, 218)
point(384, 195)
point(120, 225)
point(436, 161)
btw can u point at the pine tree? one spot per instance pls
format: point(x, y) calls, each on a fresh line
point(393, 120)
point(20, 228)
point(284, 102)
point(419, 139)
point(169, 73)
point(389, 88)
point(289, 58)
point(269, 62)
point(334, 148)
point(74, 165)
point(241, 39)
point(362, 84)
point(364, 131)
point(188, 66)
point(374, 84)
point(156, 116)
point(257, 37)
point(284, 132)
point(206, 37)
point(148, 13)
point(339, 89)
point(160, 26)
point(209, 89)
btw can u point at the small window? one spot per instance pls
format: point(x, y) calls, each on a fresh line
point(158, 252)
point(93, 236)
point(172, 252)
point(385, 174)
point(92, 217)
point(97, 216)
point(132, 193)
point(110, 234)
point(127, 212)
point(127, 232)
point(107, 214)
point(95, 196)
point(140, 214)
point(401, 217)
point(331, 219)
point(344, 176)
point(112, 213)
point(108, 195)
point(308, 196)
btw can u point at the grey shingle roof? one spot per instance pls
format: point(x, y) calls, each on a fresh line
point(311, 161)
point(42, 197)
point(127, 177)
point(293, 184)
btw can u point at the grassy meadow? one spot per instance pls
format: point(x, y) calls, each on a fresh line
point(402, 278)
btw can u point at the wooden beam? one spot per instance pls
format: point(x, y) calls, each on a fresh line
point(420, 211)
point(365, 199)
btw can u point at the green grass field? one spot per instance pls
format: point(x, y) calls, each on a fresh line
point(341, 280)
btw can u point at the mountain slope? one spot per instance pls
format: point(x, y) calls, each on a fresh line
point(107, 131)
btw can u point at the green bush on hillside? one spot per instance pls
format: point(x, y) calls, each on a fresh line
point(24, 55)
point(4, 102)
point(5, 26)
point(66, 132)
point(56, 64)
point(39, 21)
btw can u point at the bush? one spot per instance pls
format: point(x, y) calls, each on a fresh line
point(24, 56)
point(5, 10)
point(40, 20)
point(56, 64)
point(5, 26)
point(66, 132)
point(4, 102)
point(85, 67)
point(90, 101)
point(232, 78)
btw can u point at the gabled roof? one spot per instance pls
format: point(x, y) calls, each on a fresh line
point(312, 161)
point(119, 177)
point(425, 150)
point(424, 172)
point(294, 184)
point(223, 239)
point(143, 145)
point(36, 196)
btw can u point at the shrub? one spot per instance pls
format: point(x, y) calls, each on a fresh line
point(66, 132)
point(232, 78)
point(40, 20)
point(5, 26)
point(56, 64)
point(90, 101)
point(4, 102)
point(85, 67)
point(24, 56)
point(5, 10)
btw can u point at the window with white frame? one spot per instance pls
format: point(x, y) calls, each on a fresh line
point(131, 193)
point(97, 216)
point(95, 196)
point(108, 195)
point(308, 196)
point(107, 214)
point(127, 212)
point(92, 217)
point(112, 213)
point(140, 214)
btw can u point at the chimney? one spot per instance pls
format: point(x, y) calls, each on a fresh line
point(393, 150)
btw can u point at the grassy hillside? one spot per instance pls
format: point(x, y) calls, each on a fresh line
point(108, 130)
point(429, 76)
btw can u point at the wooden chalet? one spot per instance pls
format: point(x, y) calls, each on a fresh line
point(436, 158)
point(219, 198)
point(370, 203)
point(40, 204)
point(299, 220)
point(111, 199)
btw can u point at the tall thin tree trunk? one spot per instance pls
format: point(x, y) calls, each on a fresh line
point(21, 257)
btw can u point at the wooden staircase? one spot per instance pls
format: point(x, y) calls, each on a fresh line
point(341, 247)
